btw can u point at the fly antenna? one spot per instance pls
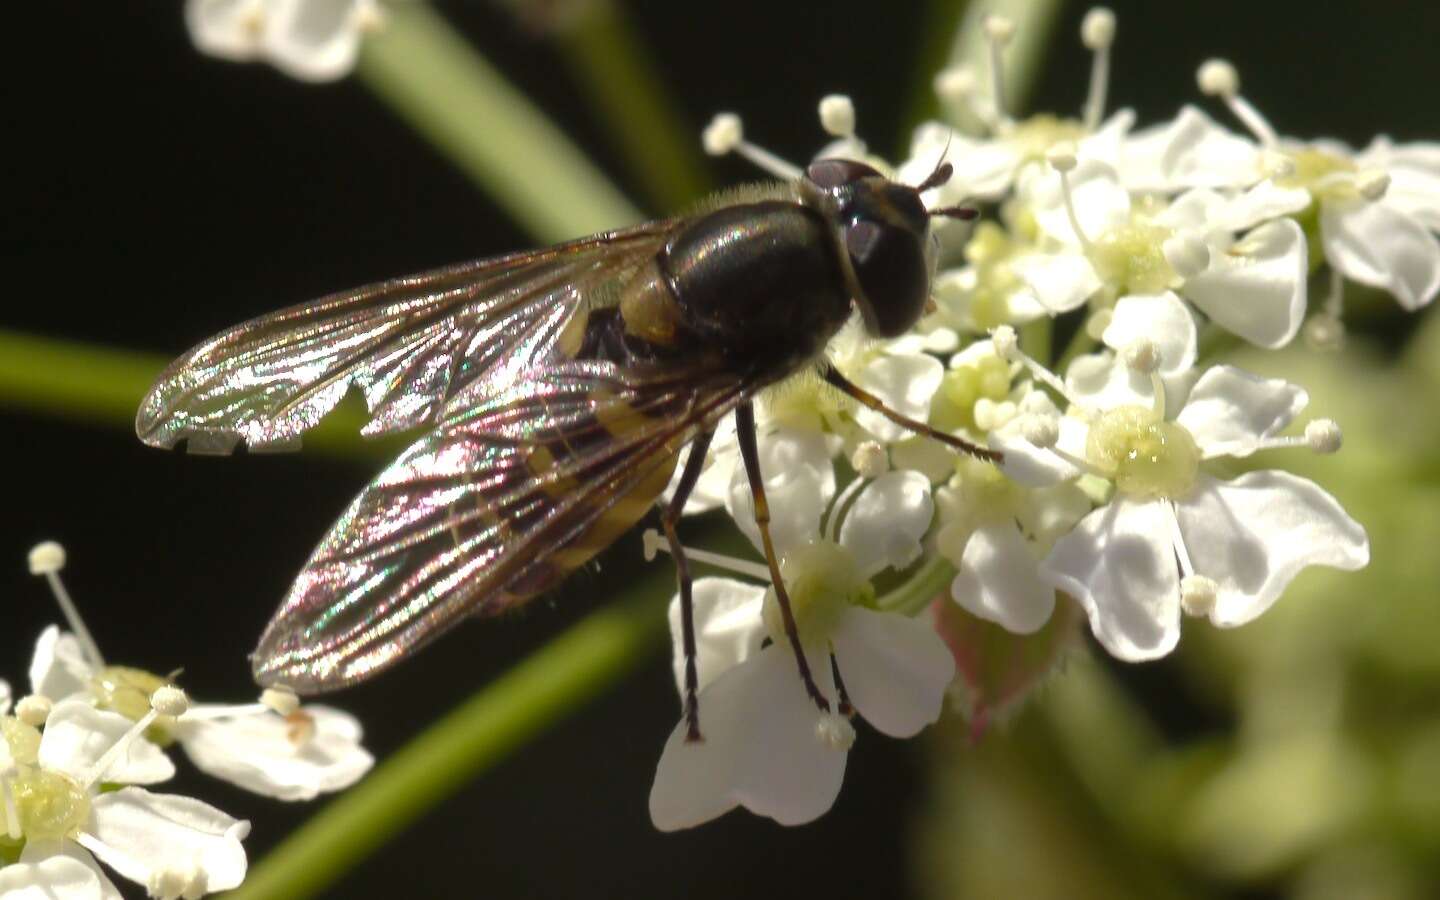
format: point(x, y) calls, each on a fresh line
point(964, 213)
point(942, 172)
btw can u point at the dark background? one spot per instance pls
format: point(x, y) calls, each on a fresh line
point(152, 196)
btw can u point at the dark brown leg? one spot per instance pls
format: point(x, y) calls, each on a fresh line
point(668, 519)
point(745, 432)
point(833, 376)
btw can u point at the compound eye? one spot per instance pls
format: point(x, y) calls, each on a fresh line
point(833, 173)
point(891, 265)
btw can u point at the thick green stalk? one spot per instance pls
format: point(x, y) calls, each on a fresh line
point(436, 82)
point(615, 71)
point(559, 678)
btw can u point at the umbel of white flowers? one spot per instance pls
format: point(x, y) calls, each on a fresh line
point(87, 724)
point(1106, 496)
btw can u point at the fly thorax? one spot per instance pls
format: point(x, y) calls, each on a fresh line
point(822, 580)
point(1143, 454)
point(127, 691)
point(49, 805)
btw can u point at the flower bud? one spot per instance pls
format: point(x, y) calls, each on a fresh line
point(837, 115)
point(722, 135)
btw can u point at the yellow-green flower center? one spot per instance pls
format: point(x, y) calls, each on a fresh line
point(127, 691)
point(1144, 455)
point(985, 377)
point(986, 491)
point(50, 805)
point(1312, 167)
point(822, 579)
point(24, 740)
point(1131, 258)
point(1034, 136)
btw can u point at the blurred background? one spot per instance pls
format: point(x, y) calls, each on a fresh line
point(154, 196)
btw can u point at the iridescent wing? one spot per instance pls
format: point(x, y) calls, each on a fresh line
point(409, 344)
point(498, 504)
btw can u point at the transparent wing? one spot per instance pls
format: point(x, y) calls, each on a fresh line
point(409, 344)
point(498, 504)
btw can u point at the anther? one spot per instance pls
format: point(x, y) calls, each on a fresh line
point(1007, 347)
point(655, 542)
point(33, 709)
point(1062, 156)
point(837, 115)
point(1142, 356)
point(869, 460)
point(1062, 159)
point(834, 731)
point(1275, 164)
point(169, 700)
point(1323, 435)
point(1097, 32)
point(283, 700)
point(1372, 184)
point(955, 85)
point(47, 559)
point(1198, 595)
point(1186, 254)
point(1006, 341)
point(1040, 430)
point(1325, 331)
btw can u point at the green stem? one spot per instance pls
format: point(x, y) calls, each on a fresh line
point(1037, 339)
point(910, 598)
point(447, 92)
point(611, 66)
point(559, 678)
point(1080, 343)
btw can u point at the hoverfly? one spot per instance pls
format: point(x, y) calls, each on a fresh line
point(559, 387)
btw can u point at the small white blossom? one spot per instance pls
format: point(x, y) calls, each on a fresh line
point(766, 746)
point(310, 40)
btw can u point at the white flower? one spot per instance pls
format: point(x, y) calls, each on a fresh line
point(766, 746)
point(311, 40)
point(175, 846)
point(294, 754)
point(1175, 537)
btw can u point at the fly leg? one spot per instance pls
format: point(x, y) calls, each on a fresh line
point(833, 376)
point(668, 519)
point(745, 431)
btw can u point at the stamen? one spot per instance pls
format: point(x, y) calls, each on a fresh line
point(1372, 184)
point(869, 460)
point(956, 87)
point(834, 731)
point(1324, 435)
point(725, 134)
point(280, 699)
point(167, 700)
point(1097, 32)
point(1062, 159)
point(12, 815)
point(837, 115)
point(1007, 347)
point(655, 542)
point(1198, 595)
point(1325, 330)
point(1218, 78)
point(1182, 554)
point(1142, 356)
point(209, 711)
point(837, 508)
point(1041, 430)
point(47, 559)
point(998, 32)
point(33, 709)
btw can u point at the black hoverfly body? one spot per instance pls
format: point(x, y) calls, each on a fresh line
point(559, 387)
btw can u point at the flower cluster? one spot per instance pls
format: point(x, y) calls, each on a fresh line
point(311, 40)
point(1155, 249)
point(76, 750)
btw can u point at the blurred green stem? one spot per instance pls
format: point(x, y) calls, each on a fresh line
point(436, 82)
point(1034, 24)
point(557, 679)
point(612, 67)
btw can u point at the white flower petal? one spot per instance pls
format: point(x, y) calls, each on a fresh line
point(1414, 171)
point(1257, 290)
point(59, 668)
point(1100, 202)
point(77, 734)
point(55, 878)
point(1229, 411)
point(1190, 151)
point(906, 383)
point(1377, 244)
point(229, 29)
point(1034, 467)
point(1253, 535)
point(1119, 563)
point(760, 749)
point(38, 851)
point(1101, 381)
point(999, 580)
point(313, 40)
point(895, 669)
point(1050, 512)
point(887, 521)
point(1162, 319)
point(262, 753)
point(138, 834)
point(728, 628)
point(1058, 282)
point(1263, 202)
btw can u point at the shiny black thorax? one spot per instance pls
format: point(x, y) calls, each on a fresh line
point(761, 280)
